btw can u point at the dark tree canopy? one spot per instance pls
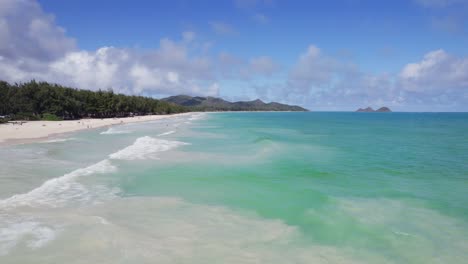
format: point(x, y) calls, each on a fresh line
point(41, 100)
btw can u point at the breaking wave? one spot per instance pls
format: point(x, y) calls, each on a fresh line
point(166, 133)
point(57, 191)
point(145, 148)
point(113, 131)
point(58, 140)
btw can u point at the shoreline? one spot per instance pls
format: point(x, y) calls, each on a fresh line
point(36, 131)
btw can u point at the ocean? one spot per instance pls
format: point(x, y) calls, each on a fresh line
point(324, 187)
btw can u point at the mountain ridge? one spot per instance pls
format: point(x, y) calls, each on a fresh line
point(369, 109)
point(209, 103)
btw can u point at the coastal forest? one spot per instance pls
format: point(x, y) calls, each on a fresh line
point(44, 101)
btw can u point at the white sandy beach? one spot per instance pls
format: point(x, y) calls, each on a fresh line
point(35, 130)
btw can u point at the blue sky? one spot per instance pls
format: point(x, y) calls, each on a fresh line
point(409, 55)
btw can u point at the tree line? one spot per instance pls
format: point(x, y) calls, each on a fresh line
point(44, 101)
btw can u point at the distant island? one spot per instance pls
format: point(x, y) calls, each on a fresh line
point(44, 101)
point(198, 103)
point(370, 110)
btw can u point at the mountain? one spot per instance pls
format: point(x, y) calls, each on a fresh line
point(209, 103)
point(370, 110)
point(383, 109)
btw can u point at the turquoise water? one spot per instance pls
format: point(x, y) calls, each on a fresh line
point(242, 188)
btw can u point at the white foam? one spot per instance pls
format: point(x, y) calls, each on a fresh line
point(196, 116)
point(401, 233)
point(102, 220)
point(43, 235)
point(57, 140)
point(113, 131)
point(57, 191)
point(166, 133)
point(145, 148)
point(33, 233)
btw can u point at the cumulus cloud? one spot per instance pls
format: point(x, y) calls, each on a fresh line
point(438, 70)
point(317, 81)
point(32, 46)
point(27, 32)
point(94, 70)
point(167, 70)
point(440, 80)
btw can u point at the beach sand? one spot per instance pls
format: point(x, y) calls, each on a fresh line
point(31, 131)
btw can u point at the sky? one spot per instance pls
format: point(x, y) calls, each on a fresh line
point(335, 55)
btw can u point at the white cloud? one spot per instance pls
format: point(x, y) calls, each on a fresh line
point(328, 83)
point(145, 77)
point(167, 70)
point(438, 70)
point(93, 70)
point(438, 82)
point(33, 47)
point(27, 32)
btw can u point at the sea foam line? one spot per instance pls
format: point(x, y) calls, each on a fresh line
point(145, 148)
point(196, 116)
point(113, 131)
point(57, 191)
point(166, 133)
point(57, 140)
point(36, 235)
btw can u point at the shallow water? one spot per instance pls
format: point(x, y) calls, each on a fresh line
point(242, 188)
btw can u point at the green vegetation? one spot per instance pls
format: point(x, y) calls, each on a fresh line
point(41, 100)
point(218, 104)
point(50, 117)
point(44, 101)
